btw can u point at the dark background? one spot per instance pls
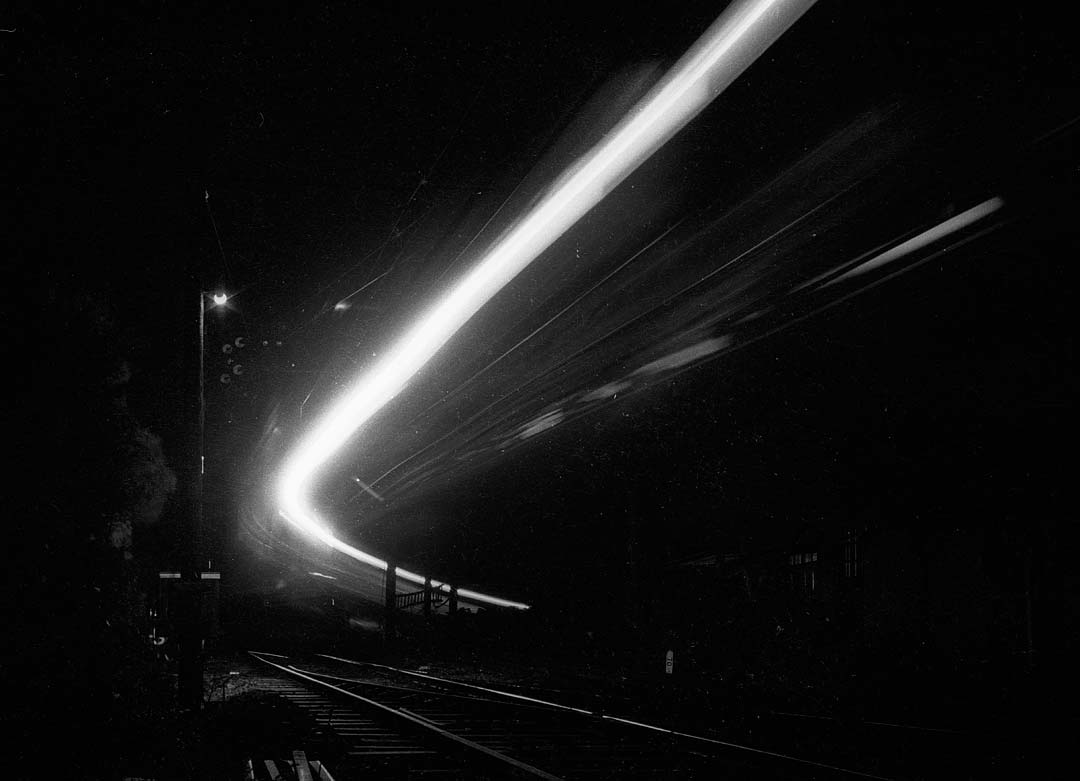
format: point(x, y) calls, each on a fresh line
point(294, 156)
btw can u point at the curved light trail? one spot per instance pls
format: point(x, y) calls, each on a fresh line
point(735, 40)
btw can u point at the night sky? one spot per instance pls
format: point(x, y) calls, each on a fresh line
point(295, 156)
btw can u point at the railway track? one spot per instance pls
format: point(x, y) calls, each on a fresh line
point(374, 746)
point(399, 724)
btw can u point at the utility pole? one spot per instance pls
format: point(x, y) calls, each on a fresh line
point(196, 536)
point(195, 592)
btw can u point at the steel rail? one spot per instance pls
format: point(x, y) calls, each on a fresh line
point(627, 722)
point(421, 724)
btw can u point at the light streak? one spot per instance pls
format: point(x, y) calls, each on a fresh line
point(694, 352)
point(735, 40)
point(608, 391)
point(367, 488)
point(541, 424)
point(344, 304)
point(951, 225)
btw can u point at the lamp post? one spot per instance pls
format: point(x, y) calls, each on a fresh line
point(216, 299)
point(192, 594)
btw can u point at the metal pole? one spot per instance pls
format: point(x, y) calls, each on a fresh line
point(196, 542)
point(189, 613)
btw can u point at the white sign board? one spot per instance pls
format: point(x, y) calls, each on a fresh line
point(669, 662)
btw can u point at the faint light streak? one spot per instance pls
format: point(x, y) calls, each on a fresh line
point(960, 221)
point(557, 315)
point(368, 488)
point(694, 352)
point(735, 40)
point(344, 304)
point(320, 575)
point(606, 391)
point(541, 424)
point(753, 315)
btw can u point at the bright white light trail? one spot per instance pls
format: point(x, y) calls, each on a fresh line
point(742, 32)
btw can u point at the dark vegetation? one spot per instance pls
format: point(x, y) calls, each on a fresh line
point(87, 694)
point(91, 481)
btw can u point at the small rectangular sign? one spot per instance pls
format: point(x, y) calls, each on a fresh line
point(169, 575)
point(210, 575)
point(669, 662)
